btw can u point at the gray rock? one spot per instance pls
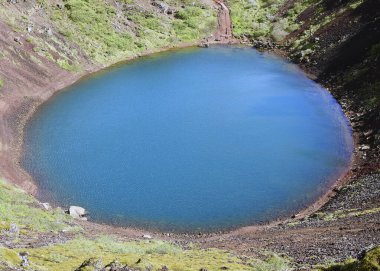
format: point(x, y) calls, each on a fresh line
point(24, 258)
point(46, 205)
point(49, 31)
point(78, 212)
point(147, 236)
point(364, 147)
point(161, 5)
point(271, 18)
point(14, 229)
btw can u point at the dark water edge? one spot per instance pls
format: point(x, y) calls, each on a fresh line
point(34, 144)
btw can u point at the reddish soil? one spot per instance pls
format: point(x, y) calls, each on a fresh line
point(224, 30)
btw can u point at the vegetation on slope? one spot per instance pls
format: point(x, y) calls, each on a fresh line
point(97, 30)
point(370, 261)
point(68, 33)
point(24, 212)
point(253, 18)
point(104, 31)
point(59, 244)
point(338, 41)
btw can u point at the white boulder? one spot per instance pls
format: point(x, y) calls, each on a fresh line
point(78, 212)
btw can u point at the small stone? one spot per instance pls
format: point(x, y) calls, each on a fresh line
point(14, 229)
point(46, 205)
point(364, 147)
point(24, 258)
point(147, 236)
point(204, 45)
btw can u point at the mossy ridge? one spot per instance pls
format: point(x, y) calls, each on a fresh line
point(140, 255)
point(370, 262)
point(104, 32)
point(106, 35)
point(339, 214)
point(21, 209)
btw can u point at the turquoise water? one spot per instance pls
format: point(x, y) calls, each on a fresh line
point(195, 139)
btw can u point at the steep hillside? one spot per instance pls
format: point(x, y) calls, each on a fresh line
point(337, 42)
point(46, 45)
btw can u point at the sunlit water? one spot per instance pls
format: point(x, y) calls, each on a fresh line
point(196, 139)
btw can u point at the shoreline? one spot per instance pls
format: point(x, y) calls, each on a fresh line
point(315, 205)
point(24, 117)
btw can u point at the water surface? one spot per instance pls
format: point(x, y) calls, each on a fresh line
point(196, 139)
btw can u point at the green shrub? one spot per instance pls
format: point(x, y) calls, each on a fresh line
point(375, 50)
point(64, 64)
point(370, 262)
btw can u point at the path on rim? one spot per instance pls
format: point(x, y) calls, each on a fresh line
point(223, 32)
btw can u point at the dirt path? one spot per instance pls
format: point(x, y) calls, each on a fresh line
point(223, 32)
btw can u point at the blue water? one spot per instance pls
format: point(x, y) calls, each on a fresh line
point(195, 139)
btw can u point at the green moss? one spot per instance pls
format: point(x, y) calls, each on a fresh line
point(194, 23)
point(94, 26)
point(9, 256)
point(370, 262)
point(1, 83)
point(19, 208)
point(143, 254)
point(64, 64)
point(375, 50)
point(355, 4)
point(253, 18)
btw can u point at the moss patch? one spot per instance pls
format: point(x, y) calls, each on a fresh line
point(21, 209)
point(253, 18)
point(370, 262)
point(16, 207)
point(108, 33)
point(142, 255)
